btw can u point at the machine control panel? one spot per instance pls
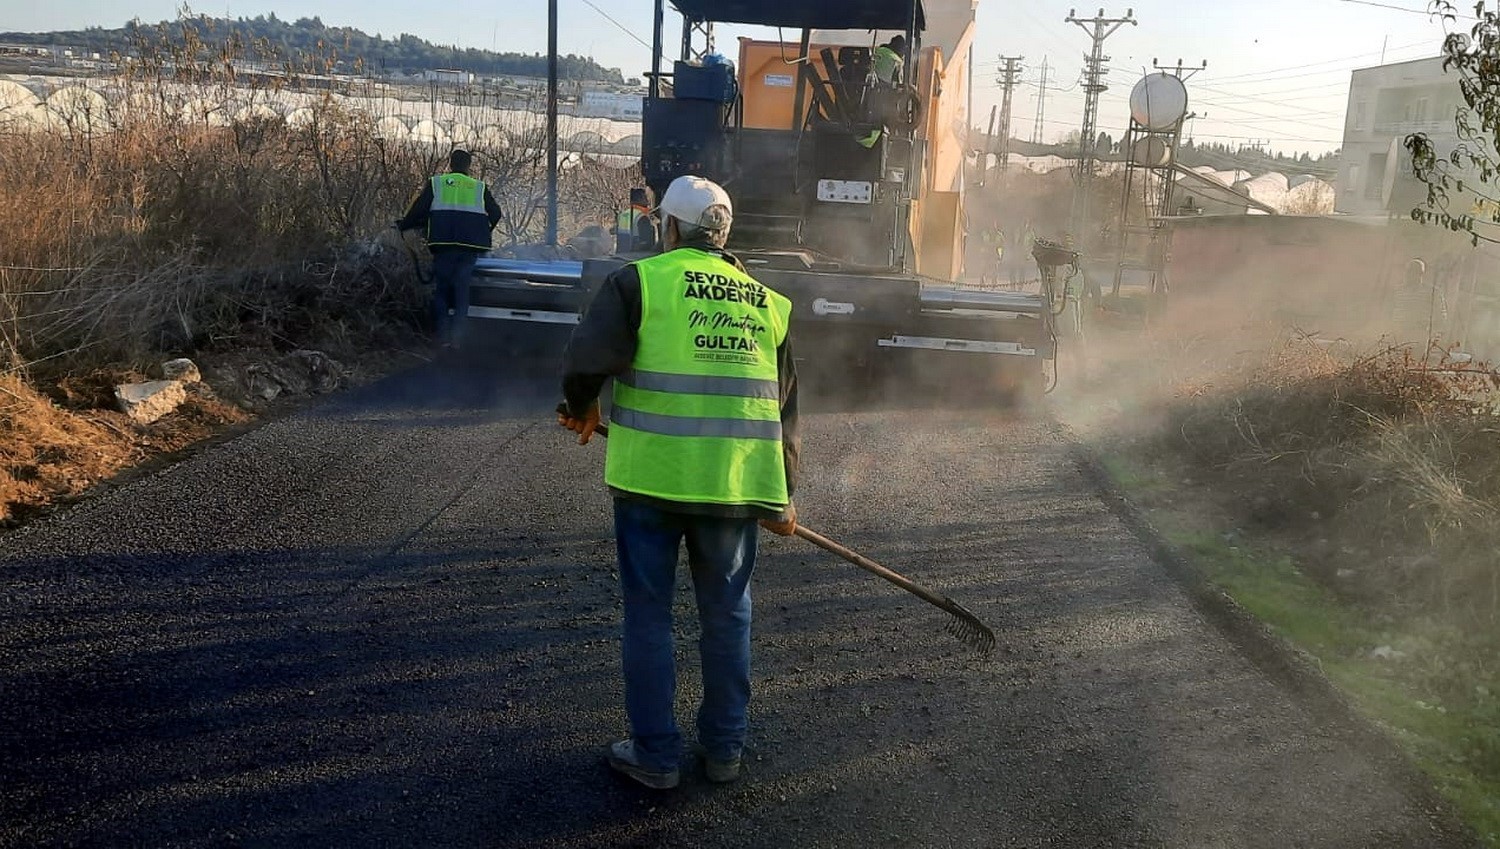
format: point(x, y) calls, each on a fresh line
point(846, 191)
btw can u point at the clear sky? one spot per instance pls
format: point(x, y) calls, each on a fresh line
point(1278, 70)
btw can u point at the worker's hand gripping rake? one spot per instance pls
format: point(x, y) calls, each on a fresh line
point(964, 625)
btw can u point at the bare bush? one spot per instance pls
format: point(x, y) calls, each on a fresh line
point(174, 206)
point(1394, 450)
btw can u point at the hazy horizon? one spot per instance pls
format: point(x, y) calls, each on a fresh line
point(1277, 75)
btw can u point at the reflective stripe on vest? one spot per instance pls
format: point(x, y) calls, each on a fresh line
point(458, 217)
point(699, 384)
point(697, 418)
point(682, 426)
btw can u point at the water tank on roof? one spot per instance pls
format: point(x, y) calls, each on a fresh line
point(1158, 101)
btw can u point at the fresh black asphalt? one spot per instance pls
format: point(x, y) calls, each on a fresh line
point(391, 620)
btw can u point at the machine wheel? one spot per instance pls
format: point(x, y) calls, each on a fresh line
point(906, 110)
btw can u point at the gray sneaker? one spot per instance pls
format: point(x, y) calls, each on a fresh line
point(623, 759)
point(721, 772)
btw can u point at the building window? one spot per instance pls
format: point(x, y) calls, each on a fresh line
point(1416, 111)
point(1351, 185)
point(1377, 176)
point(1360, 116)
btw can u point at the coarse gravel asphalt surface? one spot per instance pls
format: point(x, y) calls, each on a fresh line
point(391, 620)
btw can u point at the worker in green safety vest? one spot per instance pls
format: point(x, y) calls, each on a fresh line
point(702, 446)
point(887, 63)
point(635, 230)
point(889, 60)
point(458, 213)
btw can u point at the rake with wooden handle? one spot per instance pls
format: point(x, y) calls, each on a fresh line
point(964, 626)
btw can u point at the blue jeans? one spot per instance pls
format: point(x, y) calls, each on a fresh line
point(721, 555)
point(451, 272)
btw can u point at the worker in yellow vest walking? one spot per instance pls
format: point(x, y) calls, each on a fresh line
point(702, 446)
point(459, 213)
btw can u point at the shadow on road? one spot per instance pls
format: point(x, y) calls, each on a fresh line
point(392, 621)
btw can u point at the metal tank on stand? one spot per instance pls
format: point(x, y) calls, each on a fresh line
point(1158, 110)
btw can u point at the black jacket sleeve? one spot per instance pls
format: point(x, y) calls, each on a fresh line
point(491, 208)
point(645, 235)
point(420, 209)
point(791, 441)
point(603, 343)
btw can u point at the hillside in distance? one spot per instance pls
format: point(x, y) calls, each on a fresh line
point(311, 37)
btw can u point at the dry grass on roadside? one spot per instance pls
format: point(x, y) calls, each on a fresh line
point(47, 452)
point(167, 238)
point(1395, 458)
point(172, 210)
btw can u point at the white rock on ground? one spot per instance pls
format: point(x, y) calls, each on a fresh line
point(149, 401)
point(182, 369)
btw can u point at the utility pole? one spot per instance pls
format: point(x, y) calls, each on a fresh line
point(1010, 75)
point(552, 123)
point(1041, 106)
point(1099, 28)
point(989, 146)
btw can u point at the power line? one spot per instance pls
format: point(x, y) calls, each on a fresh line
point(1270, 138)
point(1229, 99)
point(1058, 39)
point(1008, 83)
point(1395, 8)
point(1099, 28)
point(1339, 84)
point(1387, 6)
point(1246, 78)
point(1041, 105)
point(1297, 113)
point(621, 27)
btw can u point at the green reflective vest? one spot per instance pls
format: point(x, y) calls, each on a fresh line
point(888, 64)
point(697, 417)
point(458, 216)
point(626, 218)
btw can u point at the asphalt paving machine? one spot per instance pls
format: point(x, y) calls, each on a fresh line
point(848, 189)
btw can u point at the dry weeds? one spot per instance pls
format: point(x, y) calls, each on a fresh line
point(180, 216)
point(1393, 456)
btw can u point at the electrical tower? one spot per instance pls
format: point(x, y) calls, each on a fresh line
point(1010, 76)
point(1099, 28)
point(1041, 105)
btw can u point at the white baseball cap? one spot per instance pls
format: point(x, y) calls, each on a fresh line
point(697, 201)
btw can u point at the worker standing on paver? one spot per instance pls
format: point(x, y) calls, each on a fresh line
point(889, 60)
point(459, 213)
point(702, 445)
point(635, 230)
point(887, 63)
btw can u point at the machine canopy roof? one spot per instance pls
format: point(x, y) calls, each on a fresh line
point(807, 14)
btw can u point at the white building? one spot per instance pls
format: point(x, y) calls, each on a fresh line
point(1386, 104)
point(620, 106)
point(448, 76)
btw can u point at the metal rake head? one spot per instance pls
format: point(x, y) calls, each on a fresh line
point(967, 629)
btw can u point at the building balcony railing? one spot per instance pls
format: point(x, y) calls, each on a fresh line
point(1402, 128)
